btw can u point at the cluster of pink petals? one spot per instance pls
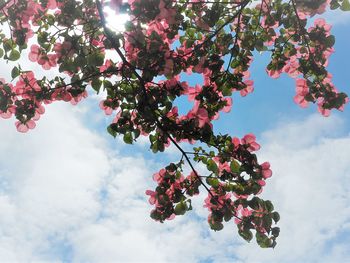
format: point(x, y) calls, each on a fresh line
point(192, 92)
point(228, 106)
point(292, 66)
point(63, 49)
point(24, 127)
point(320, 25)
point(30, 13)
point(167, 13)
point(249, 84)
point(301, 91)
point(242, 212)
point(24, 93)
point(199, 114)
point(221, 198)
point(165, 179)
point(26, 84)
point(250, 141)
point(47, 61)
point(106, 109)
point(304, 12)
point(265, 170)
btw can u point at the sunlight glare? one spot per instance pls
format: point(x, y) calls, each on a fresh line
point(116, 22)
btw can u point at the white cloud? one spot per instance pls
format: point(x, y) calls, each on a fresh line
point(52, 177)
point(310, 189)
point(65, 195)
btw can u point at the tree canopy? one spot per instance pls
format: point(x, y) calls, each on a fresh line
point(140, 70)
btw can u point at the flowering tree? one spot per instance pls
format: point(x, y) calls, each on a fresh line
point(141, 69)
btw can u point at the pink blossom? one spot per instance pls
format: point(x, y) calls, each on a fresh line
point(228, 106)
point(34, 53)
point(249, 140)
point(158, 177)
point(193, 92)
point(249, 88)
point(106, 109)
point(152, 194)
point(266, 171)
point(171, 217)
point(273, 73)
point(24, 127)
point(6, 115)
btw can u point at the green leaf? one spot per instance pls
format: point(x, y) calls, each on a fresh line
point(14, 72)
point(129, 26)
point(275, 216)
point(234, 165)
point(189, 43)
point(154, 147)
point(259, 45)
point(330, 41)
point(228, 215)
point(275, 231)
point(211, 165)
point(214, 182)
point(111, 131)
point(334, 4)
point(128, 138)
point(14, 55)
point(254, 203)
point(263, 240)
point(266, 221)
point(227, 91)
point(7, 45)
point(246, 234)
point(80, 61)
point(269, 206)
point(217, 226)
point(42, 38)
point(191, 32)
point(95, 59)
point(345, 6)
point(96, 84)
point(180, 208)
point(155, 215)
point(235, 63)
point(7, 88)
point(182, 39)
point(137, 133)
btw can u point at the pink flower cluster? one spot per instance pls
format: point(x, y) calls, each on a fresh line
point(30, 11)
point(218, 203)
point(25, 101)
point(305, 8)
point(47, 61)
point(172, 186)
point(318, 52)
point(109, 105)
point(63, 50)
point(249, 141)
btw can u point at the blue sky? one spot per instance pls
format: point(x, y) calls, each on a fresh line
point(71, 193)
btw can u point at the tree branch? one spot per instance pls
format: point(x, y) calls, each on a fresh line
point(111, 38)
